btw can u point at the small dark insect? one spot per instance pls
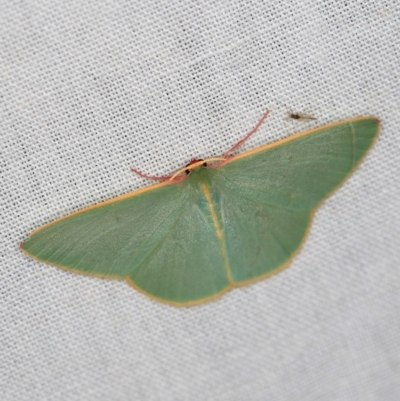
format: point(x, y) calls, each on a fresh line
point(301, 116)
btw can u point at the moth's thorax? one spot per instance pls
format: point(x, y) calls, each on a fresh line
point(200, 175)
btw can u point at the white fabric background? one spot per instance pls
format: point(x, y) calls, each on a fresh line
point(89, 89)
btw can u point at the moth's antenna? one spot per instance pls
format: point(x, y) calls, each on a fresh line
point(151, 177)
point(253, 131)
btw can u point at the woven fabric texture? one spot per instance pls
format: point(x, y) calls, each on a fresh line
point(90, 89)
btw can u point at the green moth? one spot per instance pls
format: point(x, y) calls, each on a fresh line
point(230, 222)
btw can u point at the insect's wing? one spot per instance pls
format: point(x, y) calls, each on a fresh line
point(158, 239)
point(268, 195)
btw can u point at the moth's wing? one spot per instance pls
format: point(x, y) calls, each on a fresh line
point(158, 239)
point(267, 196)
point(187, 267)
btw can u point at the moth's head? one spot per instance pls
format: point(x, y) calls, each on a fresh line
point(193, 161)
point(196, 165)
